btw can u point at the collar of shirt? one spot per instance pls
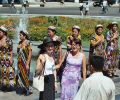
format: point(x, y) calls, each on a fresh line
point(97, 74)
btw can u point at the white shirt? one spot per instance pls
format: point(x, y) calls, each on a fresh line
point(96, 87)
point(104, 3)
point(87, 7)
point(49, 66)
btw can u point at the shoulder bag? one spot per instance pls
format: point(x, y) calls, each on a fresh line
point(38, 80)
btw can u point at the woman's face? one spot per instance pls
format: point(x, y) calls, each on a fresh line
point(99, 30)
point(75, 47)
point(50, 33)
point(1, 34)
point(50, 48)
point(114, 28)
point(22, 37)
point(75, 32)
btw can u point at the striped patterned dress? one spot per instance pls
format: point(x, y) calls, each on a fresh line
point(23, 74)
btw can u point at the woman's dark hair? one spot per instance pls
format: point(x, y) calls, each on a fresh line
point(42, 50)
point(24, 34)
point(77, 41)
point(97, 29)
point(4, 32)
point(53, 30)
point(97, 62)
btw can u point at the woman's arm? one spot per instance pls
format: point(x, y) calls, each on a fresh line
point(94, 42)
point(29, 58)
point(11, 57)
point(84, 67)
point(29, 54)
point(60, 63)
point(40, 64)
point(11, 51)
point(115, 36)
point(60, 53)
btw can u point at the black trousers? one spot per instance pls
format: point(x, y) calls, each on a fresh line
point(49, 88)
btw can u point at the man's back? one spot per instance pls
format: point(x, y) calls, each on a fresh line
point(97, 87)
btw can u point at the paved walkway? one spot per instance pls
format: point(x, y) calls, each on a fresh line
point(35, 95)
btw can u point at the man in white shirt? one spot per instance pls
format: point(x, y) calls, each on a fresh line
point(105, 6)
point(97, 86)
point(87, 8)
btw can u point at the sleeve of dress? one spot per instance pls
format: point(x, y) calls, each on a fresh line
point(92, 39)
point(83, 92)
point(29, 46)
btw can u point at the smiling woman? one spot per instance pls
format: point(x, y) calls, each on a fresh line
point(75, 66)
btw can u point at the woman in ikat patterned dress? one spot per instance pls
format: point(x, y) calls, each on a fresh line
point(97, 43)
point(112, 49)
point(7, 72)
point(24, 51)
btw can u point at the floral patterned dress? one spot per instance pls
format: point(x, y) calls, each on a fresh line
point(7, 71)
point(71, 77)
point(23, 77)
point(112, 52)
point(99, 49)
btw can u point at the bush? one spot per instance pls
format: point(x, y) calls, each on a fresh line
point(37, 26)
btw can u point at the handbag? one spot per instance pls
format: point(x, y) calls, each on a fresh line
point(38, 80)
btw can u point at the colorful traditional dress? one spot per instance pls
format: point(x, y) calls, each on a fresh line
point(23, 74)
point(71, 77)
point(7, 72)
point(99, 49)
point(112, 52)
point(58, 50)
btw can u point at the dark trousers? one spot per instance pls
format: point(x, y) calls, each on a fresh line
point(49, 88)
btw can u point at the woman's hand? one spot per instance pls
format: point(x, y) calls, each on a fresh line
point(27, 67)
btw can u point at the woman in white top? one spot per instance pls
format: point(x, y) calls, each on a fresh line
point(46, 62)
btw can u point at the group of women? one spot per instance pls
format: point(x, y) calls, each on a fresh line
point(51, 60)
point(75, 62)
point(9, 81)
point(108, 49)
